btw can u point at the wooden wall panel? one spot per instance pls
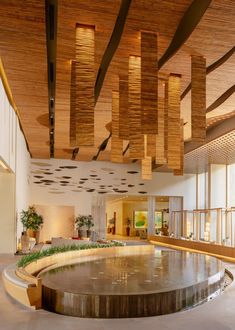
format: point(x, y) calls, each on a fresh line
point(198, 98)
point(116, 142)
point(123, 108)
point(160, 138)
point(134, 90)
point(174, 136)
point(72, 131)
point(85, 78)
point(149, 83)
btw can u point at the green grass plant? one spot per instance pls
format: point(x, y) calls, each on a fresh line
point(25, 260)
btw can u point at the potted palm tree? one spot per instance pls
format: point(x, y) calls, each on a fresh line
point(84, 221)
point(89, 222)
point(80, 223)
point(31, 220)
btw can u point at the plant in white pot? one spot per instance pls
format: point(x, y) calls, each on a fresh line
point(31, 220)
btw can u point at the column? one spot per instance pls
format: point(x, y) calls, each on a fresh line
point(151, 217)
point(98, 212)
point(218, 226)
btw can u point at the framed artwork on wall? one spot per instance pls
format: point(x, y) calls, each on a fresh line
point(158, 219)
point(140, 219)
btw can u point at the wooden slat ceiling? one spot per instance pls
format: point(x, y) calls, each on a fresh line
point(23, 51)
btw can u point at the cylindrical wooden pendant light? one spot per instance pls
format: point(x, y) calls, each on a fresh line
point(116, 142)
point(73, 106)
point(181, 170)
point(123, 108)
point(198, 98)
point(149, 83)
point(134, 90)
point(84, 68)
point(174, 136)
point(160, 151)
point(146, 163)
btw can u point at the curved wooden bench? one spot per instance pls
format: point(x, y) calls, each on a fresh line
point(23, 287)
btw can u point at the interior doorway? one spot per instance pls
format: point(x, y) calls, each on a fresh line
point(127, 216)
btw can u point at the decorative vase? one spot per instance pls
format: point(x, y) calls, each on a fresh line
point(80, 233)
point(30, 232)
point(88, 233)
point(24, 242)
point(37, 236)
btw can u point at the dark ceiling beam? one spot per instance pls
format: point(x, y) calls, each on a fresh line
point(221, 99)
point(185, 28)
point(112, 46)
point(102, 147)
point(51, 33)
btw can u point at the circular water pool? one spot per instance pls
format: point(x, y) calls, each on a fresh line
point(131, 286)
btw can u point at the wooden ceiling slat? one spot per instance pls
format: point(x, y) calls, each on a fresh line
point(23, 51)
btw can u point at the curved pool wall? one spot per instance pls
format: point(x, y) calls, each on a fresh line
point(156, 283)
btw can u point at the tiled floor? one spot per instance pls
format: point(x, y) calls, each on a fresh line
point(218, 314)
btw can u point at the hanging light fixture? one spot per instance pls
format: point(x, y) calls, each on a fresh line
point(84, 75)
point(173, 130)
point(198, 98)
point(116, 142)
point(134, 108)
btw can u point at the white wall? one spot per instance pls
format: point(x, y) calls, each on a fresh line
point(166, 184)
point(13, 152)
point(8, 121)
point(21, 177)
point(81, 201)
point(231, 185)
point(7, 213)
point(202, 191)
point(218, 185)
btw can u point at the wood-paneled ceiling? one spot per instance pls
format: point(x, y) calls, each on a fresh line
point(24, 55)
